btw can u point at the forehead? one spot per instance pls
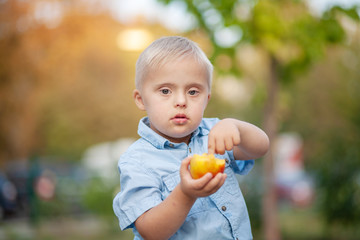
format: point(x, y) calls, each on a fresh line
point(183, 70)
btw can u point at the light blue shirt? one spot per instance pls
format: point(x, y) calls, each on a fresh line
point(149, 171)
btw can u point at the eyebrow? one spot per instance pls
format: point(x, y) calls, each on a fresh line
point(197, 85)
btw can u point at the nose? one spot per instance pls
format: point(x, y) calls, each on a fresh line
point(180, 100)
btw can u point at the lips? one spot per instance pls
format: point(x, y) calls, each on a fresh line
point(180, 119)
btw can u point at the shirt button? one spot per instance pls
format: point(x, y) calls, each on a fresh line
point(189, 150)
point(171, 145)
point(227, 161)
point(223, 208)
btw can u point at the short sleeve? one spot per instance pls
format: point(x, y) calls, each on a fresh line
point(241, 167)
point(140, 191)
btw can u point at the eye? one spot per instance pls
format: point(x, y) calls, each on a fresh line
point(165, 91)
point(193, 92)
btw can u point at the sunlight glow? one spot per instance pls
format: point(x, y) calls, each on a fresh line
point(134, 39)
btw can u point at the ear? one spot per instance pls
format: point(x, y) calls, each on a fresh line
point(209, 96)
point(138, 100)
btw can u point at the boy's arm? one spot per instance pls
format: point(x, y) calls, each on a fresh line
point(246, 140)
point(162, 221)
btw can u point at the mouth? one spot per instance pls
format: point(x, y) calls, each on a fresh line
point(180, 119)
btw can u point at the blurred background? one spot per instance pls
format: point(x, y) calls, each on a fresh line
point(66, 110)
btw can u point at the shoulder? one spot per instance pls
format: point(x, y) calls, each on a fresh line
point(142, 156)
point(135, 153)
point(135, 164)
point(136, 148)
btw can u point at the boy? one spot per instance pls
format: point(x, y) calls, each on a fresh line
point(159, 201)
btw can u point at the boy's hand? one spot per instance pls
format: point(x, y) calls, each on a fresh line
point(223, 136)
point(202, 187)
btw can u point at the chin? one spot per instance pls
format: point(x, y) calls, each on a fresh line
point(181, 136)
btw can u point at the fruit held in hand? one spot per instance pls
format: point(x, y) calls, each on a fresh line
point(202, 164)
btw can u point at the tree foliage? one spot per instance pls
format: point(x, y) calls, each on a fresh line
point(65, 85)
point(286, 29)
point(325, 109)
point(293, 39)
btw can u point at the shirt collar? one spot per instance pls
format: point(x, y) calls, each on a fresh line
point(158, 141)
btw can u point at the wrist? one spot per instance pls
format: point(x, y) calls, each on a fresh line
point(185, 196)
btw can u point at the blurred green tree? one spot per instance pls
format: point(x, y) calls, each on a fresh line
point(332, 150)
point(291, 38)
point(98, 198)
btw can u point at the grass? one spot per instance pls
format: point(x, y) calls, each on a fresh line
point(295, 224)
point(300, 224)
point(78, 228)
point(307, 224)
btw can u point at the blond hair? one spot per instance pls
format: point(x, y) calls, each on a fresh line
point(167, 49)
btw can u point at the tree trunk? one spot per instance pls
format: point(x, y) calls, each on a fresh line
point(270, 221)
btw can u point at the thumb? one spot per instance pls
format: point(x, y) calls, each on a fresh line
point(185, 164)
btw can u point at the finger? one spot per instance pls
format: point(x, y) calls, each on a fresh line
point(215, 183)
point(222, 180)
point(186, 162)
point(229, 144)
point(184, 167)
point(211, 145)
point(200, 183)
point(211, 151)
point(220, 147)
point(236, 139)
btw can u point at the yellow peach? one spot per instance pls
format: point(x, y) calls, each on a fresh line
point(202, 164)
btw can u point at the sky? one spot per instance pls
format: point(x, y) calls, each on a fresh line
point(175, 16)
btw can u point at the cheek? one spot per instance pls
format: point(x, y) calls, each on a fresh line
point(204, 104)
point(151, 105)
point(156, 110)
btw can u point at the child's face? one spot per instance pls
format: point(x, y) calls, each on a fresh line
point(175, 97)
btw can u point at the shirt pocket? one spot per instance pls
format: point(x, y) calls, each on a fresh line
point(170, 182)
point(231, 184)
